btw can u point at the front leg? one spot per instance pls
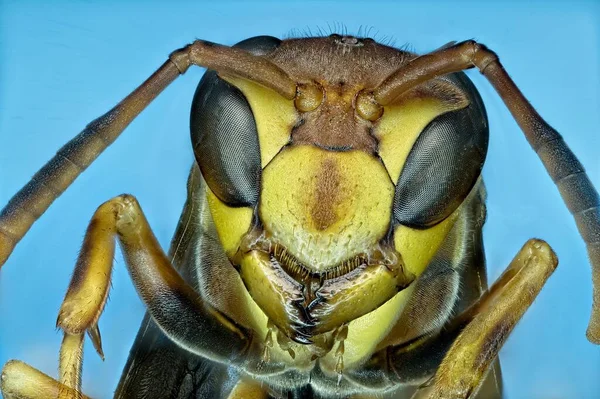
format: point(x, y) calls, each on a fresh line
point(493, 318)
point(178, 310)
point(21, 381)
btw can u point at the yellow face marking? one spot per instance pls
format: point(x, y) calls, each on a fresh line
point(274, 115)
point(400, 127)
point(325, 207)
point(418, 246)
point(231, 223)
point(367, 331)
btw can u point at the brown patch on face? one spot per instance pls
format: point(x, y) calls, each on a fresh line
point(334, 125)
point(327, 194)
point(329, 59)
point(342, 66)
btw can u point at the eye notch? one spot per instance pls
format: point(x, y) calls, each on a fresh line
point(367, 107)
point(308, 96)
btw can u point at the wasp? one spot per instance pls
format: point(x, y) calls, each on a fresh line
point(330, 244)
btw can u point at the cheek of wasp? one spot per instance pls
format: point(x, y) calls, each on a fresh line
point(366, 106)
point(308, 97)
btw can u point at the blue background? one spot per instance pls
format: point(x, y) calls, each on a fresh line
point(64, 64)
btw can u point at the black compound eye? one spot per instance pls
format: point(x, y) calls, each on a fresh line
point(224, 135)
point(444, 163)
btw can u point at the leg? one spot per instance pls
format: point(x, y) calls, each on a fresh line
point(563, 166)
point(22, 381)
point(70, 363)
point(248, 389)
point(493, 318)
point(72, 159)
point(174, 305)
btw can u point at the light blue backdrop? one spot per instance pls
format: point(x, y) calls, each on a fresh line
point(64, 64)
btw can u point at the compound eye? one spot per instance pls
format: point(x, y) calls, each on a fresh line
point(224, 134)
point(444, 163)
